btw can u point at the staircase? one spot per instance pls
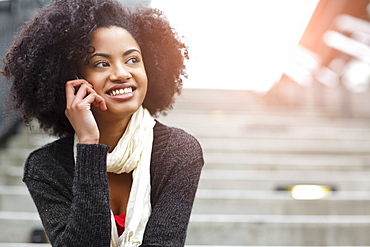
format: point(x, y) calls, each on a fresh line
point(18, 215)
point(252, 148)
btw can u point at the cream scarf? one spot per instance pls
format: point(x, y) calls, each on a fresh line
point(132, 154)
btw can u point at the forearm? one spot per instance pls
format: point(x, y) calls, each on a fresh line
point(168, 223)
point(79, 216)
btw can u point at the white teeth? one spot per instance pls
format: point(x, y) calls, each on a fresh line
point(121, 91)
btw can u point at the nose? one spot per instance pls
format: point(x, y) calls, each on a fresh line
point(119, 73)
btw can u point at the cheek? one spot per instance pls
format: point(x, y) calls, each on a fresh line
point(145, 85)
point(96, 81)
point(89, 75)
point(83, 71)
point(144, 79)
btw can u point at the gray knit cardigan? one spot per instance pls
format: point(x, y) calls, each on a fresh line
point(73, 199)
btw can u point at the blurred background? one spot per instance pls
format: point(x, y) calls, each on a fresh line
point(278, 95)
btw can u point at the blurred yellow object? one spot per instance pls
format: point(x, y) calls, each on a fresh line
point(310, 192)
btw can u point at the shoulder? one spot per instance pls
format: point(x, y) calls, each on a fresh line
point(172, 139)
point(175, 151)
point(50, 158)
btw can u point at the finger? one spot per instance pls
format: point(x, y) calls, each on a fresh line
point(93, 99)
point(79, 82)
point(71, 87)
point(100, 102)
point(70, 92)
point(83, 91)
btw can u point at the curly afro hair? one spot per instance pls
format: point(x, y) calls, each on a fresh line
point(49, 49)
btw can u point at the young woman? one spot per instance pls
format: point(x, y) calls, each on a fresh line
point(95, 73)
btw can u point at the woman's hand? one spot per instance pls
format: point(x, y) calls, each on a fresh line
point(80, 95)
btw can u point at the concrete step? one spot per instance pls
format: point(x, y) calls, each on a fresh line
point(48, 245)
point(285, 146)
point(12, 175)
point(17, 227)
point(16, 199)
point(23, 245)
point(305, 100)
point(272, 131)
point(29, 140)
point(15, 156)
point(18, 148)
point(283, 230)
point(11, 170)
point(239, 100)
point(250, 149)
point(255, 184)
point(261, 121)
point(272, 179)
point(280, 203)
point(286, 176)
point(278, 161)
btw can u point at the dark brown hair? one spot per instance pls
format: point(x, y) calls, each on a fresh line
point(50, 47)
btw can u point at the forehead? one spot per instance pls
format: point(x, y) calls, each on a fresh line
point(112, 38)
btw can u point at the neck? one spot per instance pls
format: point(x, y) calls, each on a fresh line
point(111, 132)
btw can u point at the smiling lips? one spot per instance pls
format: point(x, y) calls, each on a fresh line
point(120, 91)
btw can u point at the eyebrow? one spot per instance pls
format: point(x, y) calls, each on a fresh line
point(109, 56)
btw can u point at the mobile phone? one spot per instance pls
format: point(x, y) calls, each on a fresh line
point(76, 88)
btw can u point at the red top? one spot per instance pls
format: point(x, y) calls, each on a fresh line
point(120, 223)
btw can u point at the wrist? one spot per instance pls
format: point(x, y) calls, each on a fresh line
point(88, 140)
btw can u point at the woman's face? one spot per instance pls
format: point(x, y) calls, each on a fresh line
point(116, 71)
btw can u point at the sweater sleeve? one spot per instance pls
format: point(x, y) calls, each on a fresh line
point(78, 215)
point(175, 177)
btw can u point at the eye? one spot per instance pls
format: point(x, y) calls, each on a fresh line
point(133, 60)
point(101, 64)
